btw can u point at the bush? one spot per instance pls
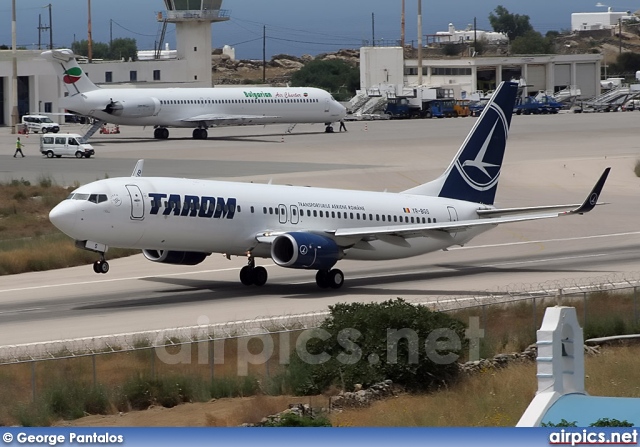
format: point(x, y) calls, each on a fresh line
point(293, 420)
point(142, 392)
point(234, 387)
point(359, 342)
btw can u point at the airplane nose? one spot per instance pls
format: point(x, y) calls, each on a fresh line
point(64, 217)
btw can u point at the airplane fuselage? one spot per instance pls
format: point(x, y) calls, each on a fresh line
point(225, 217)
point(176, 107)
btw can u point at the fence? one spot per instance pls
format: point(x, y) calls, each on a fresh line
point(261, 346)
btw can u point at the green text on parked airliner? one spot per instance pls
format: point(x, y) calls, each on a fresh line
point(257, 95)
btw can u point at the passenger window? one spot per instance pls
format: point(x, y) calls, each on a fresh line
point(358, 216)
point(270, 210)
point(251, 209)
point(238, 208)
point(383, 216)
point(395, 218)
point(277, 211)
point(321, 214)
point(378, 217)
point(339, 215)
point(428, 220)
point(434, 220)
point(412, 220)
point(61, 140)
point(294, 212)
point(333, 214)
point(351, 215)
point(264, 210)
point(315, 213)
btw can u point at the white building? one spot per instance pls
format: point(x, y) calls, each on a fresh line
point(587, 21)
point(465, 75)
point(469, 35)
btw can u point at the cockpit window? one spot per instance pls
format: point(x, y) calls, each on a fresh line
point(80, 196)
point(70, 196)
point(98, 198)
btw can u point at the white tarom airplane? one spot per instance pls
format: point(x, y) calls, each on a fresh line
point(199, 108)
point(182, 221)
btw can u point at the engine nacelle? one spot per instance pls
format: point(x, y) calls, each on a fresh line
point(133, 108)
point(301, 250)
point(175, 257)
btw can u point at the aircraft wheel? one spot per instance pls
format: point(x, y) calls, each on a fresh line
point(164, 133)
point(321, 279)
point(204, 134)
point(260, 276)
point(335, 278)
point(156, 133)
point(246, 275)
point(96, 266)
point(104, 267)
point(196, 134)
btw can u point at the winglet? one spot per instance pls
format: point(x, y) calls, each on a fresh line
point(137, 171)
point(592, 199)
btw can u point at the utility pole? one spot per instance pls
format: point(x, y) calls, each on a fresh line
point(89, 41)
point(620, 33)
point(264, 53)
point(475, 37)
point(402, 27)
point(111, 34)
point(419, 42)
point(373, 30)
point(42, 28)
point(50, 29)
point(14, 70)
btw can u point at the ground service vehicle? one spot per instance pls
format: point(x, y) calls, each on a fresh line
point(40, 123)
point(69, 144)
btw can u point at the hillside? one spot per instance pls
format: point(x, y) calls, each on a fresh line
point(278, 70)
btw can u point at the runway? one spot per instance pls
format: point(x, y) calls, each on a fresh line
point(549, 160)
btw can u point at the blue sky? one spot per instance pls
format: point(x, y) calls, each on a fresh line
point(293, 26)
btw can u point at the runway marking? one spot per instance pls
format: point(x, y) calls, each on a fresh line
point(578, 238)
point(32, 309)
point(506, 244)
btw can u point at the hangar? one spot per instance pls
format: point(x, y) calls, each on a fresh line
point(465, 75)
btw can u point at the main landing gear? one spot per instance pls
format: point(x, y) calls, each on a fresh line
point(200, 134)
point(160, 133)
point(252, 275)
point(333, 278)
point(101, 266)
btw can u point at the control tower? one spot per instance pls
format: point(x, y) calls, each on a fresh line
point(193, 19)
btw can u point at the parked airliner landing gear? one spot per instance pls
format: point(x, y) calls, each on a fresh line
point(328, 128)
point(200, 134)
point(252, 275)
point(161, 133)
point(333, 278)
point(101, 266)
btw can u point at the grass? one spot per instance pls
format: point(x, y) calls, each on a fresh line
point(28, 240)
point(494, 398)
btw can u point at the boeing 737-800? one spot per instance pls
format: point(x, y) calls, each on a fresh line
point(182, 221)
point(199, 108)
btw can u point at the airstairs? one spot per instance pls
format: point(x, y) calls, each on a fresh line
point(97, 124)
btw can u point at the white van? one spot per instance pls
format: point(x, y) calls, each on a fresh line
point(40, 123)
point(65, 144)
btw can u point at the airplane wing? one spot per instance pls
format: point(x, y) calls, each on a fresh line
point(211, 118)
point(428, 230)
point(396, 234)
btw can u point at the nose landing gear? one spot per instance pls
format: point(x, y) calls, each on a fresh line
point(101, 266)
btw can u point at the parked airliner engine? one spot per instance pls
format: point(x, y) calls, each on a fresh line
point(133, 108)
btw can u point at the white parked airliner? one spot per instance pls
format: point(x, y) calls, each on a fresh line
point(182, 221)
point(199, 108)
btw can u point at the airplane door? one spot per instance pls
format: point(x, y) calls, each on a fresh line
point(453, 214)
point(294, 214)
point(137, 204)
point(326, 105)
point(453, 217)
point(282, 213)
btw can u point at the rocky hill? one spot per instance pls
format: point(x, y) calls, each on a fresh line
point(278, 70)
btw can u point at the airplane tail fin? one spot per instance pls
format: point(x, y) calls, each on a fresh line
point(473, 174)
point(70, 73)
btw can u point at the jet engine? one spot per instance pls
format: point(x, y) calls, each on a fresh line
point(305, 251)
point(175, 257)
point(133, 108)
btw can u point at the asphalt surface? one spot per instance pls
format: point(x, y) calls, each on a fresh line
point(551, 159)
